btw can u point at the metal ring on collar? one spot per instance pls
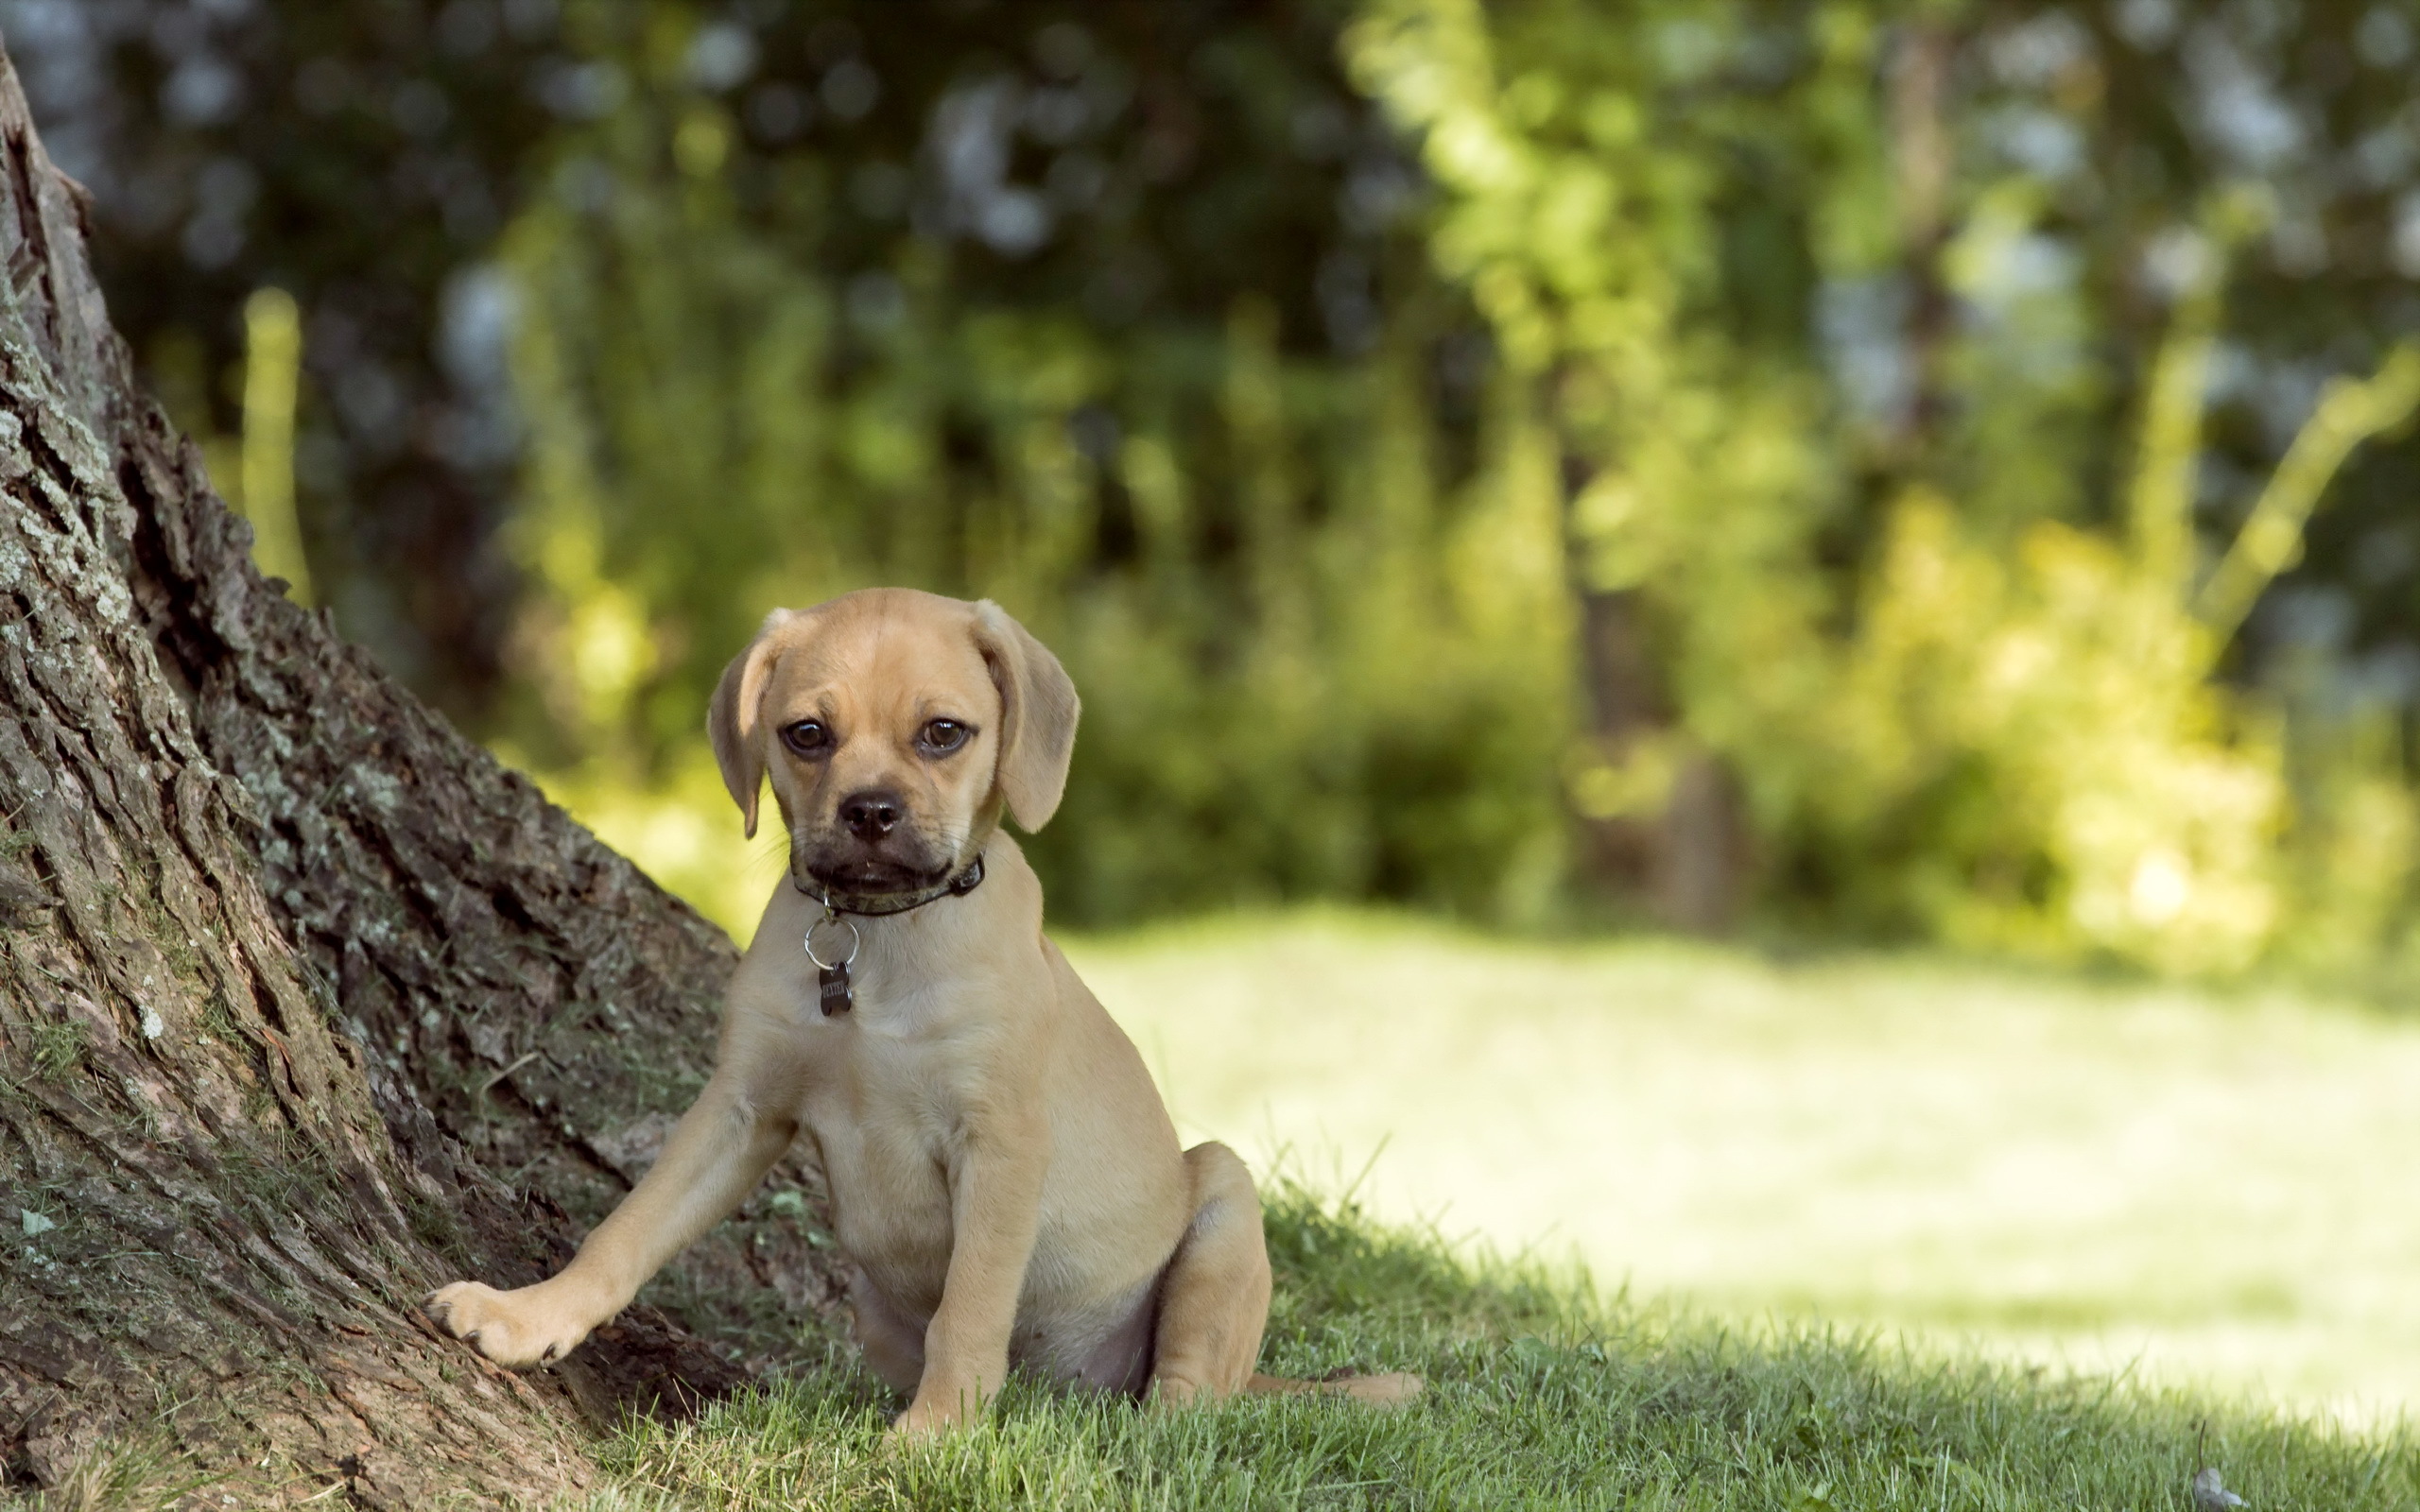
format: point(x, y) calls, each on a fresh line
point(854, 940)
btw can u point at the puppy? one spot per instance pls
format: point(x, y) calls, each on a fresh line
point(1006, 1189)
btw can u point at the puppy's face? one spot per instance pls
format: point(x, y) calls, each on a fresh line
point(894, 725)
point(883, 735)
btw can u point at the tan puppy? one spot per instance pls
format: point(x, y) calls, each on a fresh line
point(1005, 1182)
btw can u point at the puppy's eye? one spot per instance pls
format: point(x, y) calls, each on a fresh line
point(807, 737)
point(941, 736)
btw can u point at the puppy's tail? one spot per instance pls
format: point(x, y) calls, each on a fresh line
point(1393, 1389)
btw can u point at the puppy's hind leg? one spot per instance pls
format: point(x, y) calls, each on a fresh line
point(1214, 1299)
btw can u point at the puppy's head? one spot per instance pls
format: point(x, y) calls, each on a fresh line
point(895, 726)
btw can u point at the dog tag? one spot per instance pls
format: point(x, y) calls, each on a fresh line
point(832, 986)
point(832, 990)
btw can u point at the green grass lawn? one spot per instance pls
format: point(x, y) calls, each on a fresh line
point(1880, 1221)
point(1539, 1396)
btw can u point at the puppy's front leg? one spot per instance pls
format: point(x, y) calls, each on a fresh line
point(720, 1150)
point(996, 1206)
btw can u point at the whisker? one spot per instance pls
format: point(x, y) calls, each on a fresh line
point(768, 855)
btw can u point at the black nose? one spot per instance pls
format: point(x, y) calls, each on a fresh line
point(871, 813)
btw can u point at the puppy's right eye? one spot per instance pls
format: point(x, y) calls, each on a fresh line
point(807, 737)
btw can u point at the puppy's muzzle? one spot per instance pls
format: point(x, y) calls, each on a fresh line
point(873, 846)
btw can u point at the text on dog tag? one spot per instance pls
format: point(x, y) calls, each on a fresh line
point(832, 987)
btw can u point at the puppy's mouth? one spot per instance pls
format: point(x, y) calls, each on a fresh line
point(865, 875)
point(837, 864)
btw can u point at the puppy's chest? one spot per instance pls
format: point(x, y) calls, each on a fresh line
point(854, 1075)
point(894, 1076)
point(886, 1113)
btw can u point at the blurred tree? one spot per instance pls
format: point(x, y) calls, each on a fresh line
point(2035, 755)
point(1114, 313)
point(1174, 219)
point(1673, 355)
point(362, 158)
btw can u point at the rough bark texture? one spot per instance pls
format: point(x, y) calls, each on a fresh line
point(307, 1006)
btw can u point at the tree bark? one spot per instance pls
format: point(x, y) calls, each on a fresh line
point(306, 1006)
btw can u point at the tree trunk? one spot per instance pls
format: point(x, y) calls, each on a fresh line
point(1923, 159)
point(1688, 858)
point(306, 1006)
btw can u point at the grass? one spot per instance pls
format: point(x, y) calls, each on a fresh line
point(2215, 1190)
point(1540, 1396)
point(1885, 1233)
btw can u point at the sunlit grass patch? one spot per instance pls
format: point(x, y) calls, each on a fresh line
point(2210, 1189)
point(1539, 1395)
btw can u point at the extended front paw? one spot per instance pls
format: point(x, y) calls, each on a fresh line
point(535, 1324)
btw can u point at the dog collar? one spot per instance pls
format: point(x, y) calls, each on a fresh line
point(835, 993)
point(883, 904)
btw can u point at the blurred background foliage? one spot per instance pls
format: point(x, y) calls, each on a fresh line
point(1920, 469)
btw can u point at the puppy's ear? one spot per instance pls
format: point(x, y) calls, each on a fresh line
point(731, 719)
point(1037, 709)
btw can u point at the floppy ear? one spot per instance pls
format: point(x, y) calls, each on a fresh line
point(730, 721)
point(1037, 709)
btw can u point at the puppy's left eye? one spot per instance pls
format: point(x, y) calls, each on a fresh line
point(941, 736)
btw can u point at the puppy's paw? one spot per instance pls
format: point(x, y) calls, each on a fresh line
point(535, 1324)
point(931, 1416)
point(1172, 1393)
